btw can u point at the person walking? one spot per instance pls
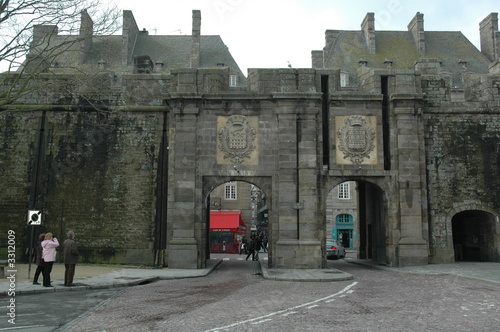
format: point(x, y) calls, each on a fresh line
point(38, 258)
point(243, 245)
point(250, 247)
point(257, 246)
point(71, 257)
point(49, 246)
point(264, 243)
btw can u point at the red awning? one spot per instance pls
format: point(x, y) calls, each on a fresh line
point(226, 221)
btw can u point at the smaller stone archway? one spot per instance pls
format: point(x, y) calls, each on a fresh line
point(372, 222)
point(475, 236)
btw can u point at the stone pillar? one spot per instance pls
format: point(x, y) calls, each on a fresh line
point(410, 156)
point(183, 247)
point(298, 244)
point(286, 247)
point(310, 217)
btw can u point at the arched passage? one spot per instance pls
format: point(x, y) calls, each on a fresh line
point(355, 217)
point(474, 235)
point(247, 196)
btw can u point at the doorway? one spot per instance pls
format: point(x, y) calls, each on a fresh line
point(355, 218)
point(236, 210)
point(474, 236)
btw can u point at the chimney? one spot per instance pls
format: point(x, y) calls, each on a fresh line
point(490, 37)
point(330, 39)
point(42, 34)
point(196, 37)
point(86, 32)
point(368, 27)
point(317, 59)
point(416, 27)
point(130, 31)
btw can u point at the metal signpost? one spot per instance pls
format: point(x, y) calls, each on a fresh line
point(34, 219)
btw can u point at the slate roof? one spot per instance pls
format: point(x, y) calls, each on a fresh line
point(449, 47)
point(172, 50)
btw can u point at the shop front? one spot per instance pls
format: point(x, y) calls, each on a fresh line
point(227, 228)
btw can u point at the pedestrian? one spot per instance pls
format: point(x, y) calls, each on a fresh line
point(71, 256)
point(250, 249)
point(38, 258)
point(264, 243)
point(243, 245)
point(49, 246)
point(257, 246)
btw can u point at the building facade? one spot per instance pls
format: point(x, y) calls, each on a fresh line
point(124, 139)
point(342, 215)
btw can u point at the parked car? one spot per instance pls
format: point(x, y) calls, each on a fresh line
point(334, 250)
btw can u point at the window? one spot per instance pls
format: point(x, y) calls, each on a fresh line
point(232, 80)
point(344, 191)
point(344, 79)
point(230, 191)
point(344, 218)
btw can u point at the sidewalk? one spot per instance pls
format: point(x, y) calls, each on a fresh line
point(100, 276)
point(96, 277)
point(488, 272)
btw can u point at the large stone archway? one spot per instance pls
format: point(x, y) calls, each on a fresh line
point(211, 182)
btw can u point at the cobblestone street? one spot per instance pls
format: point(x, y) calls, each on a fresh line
point(235, 298)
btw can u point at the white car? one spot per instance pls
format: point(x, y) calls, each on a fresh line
point(334, 250)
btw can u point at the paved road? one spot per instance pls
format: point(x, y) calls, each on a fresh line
point(52, 311)
point(235, 298)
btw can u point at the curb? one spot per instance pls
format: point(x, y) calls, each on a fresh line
point(80, 285)
point(430, 273)
point(307, 275)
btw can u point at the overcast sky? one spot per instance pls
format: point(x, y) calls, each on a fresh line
point(269, 33)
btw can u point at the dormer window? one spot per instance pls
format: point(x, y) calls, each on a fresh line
point(232, 80)
point(344, 79)
point(143, 64)
point(102, 64)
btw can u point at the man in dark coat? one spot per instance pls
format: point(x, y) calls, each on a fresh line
point(39, 259)
point(71, 256)
point(251, 250)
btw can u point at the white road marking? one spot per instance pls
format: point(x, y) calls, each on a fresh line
point(19, 327)
point(261, 321)
point(284, 311)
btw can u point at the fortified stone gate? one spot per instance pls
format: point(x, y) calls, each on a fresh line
point(128, 154)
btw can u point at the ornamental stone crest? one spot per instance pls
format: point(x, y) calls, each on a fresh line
point(236, 139)
point(356, 139)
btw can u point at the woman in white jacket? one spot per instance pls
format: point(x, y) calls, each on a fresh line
point(49, 246)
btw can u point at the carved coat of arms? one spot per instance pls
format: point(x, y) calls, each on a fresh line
point(236, 139)
point(356, 139)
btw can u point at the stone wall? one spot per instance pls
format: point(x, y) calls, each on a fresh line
point(19, 136)
point(132, 180)
point(463, 158)
point(90, 179)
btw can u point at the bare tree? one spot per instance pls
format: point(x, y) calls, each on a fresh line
point(34, 34)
